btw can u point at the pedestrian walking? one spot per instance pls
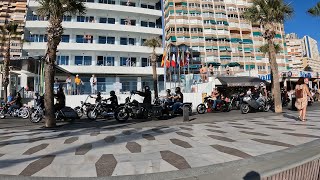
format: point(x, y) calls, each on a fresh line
point(69, 85)
point(211, 70)
point(93, 84)
point(302, 92)
point(77, 82)
point(56, 86)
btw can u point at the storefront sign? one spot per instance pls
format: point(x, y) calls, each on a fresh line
point(290, 74)
point(266, 77)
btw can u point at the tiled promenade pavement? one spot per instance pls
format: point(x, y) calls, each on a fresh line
point(103, 152)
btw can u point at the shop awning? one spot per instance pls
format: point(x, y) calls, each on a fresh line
point(240, 81)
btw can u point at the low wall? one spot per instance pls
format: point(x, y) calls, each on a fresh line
point(74, 100)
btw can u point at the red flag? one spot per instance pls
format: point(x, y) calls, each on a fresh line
point(173, 60)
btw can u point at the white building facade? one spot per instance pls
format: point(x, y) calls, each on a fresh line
point(107, 41)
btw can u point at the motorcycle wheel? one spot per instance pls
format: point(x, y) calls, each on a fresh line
point(92, 115)
point(266, 108)
point(79, 111)
point(245, 108)
point(24, 113)
point(121, 114)
point(2, 115)
point(201, 109)
point(35, 117)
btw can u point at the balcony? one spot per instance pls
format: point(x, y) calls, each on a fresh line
point(96, 26)
point(93, 47)
point(116, 70)
point(112, 7)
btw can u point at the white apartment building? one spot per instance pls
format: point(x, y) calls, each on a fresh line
point(107, 41)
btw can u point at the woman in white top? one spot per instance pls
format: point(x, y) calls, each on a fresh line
point(68, 82)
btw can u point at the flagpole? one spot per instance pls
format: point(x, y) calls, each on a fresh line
point(163, 45)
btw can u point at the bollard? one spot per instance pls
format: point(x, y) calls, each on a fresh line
point(185, 113)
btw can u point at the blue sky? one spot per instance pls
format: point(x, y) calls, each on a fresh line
point(302, 23)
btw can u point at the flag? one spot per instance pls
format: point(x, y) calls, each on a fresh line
point(182, 62)
point(173, 60)
point(164, 57)
point(178, 59)
point(186, 63)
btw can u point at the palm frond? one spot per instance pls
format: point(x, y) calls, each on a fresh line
point(315, 11)
point(153, 42)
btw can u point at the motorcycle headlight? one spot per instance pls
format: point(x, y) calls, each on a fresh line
point(246, 98)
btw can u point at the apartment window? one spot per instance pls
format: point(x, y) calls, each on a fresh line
point(144, 24)
point(103, 20)
point(102, 39)
point(105, 61)
point(111, 40)
point(132, 41)
point(85, 19)
point(152, 24)
point(142, 41)
point(144, 6)
point(145, 62)
point(65, 38)
point(83, 60)
point(38, 38)
point(123, 41)
point(62, 60)
point(67, 18)
point(107, 1)
point(84, 39)
point(111, 20)
point(124, 61)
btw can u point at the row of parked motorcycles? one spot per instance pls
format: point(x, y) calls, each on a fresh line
point(102, 109)
point(130, 109)
point(245, 104)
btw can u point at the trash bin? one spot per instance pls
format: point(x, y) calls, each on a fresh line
point(293, 101)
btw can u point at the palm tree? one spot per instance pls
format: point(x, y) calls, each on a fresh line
point(153, 43)
point(8, 33)
point(265, 48)
point(270, 14)
point(55, 10)
point(315, 11)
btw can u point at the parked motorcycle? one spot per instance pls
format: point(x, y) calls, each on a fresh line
point(65, 114)
point(83, 109)
point(222, 106)
point(167, 107)
point(101, 109)
point(250, 104)
point(135, 110)
point(22, 112)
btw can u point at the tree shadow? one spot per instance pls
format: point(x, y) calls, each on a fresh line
point(289, 116)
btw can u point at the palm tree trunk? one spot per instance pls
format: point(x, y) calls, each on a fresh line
point(55, 31)
point(275, 77)
point(154, 73)
point(6, 64)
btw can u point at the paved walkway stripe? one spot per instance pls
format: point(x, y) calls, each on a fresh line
point(83, 149)
point(282, 129)
point(37, 165)
point(185, 128)
point(302, 135)
point(271, 142)
point(221, 138)
point(133, 147)
point(106, 165)
point(35, 149)
point(184, 134)
point(240, 127)
point(181, 143)
point(175, 159)
point(216, 131)
point(254, 133)
point(231, 151)
point(109, 139)
point(71, 140)
point(148, 137)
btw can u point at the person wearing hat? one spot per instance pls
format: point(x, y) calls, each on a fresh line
point(77, 82)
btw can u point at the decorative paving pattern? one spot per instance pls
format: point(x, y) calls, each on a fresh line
point(109, 151)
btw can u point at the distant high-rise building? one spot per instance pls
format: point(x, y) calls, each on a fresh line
point(302, 52)
point(13, 10)
point(218, 32)
point(310, 48)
